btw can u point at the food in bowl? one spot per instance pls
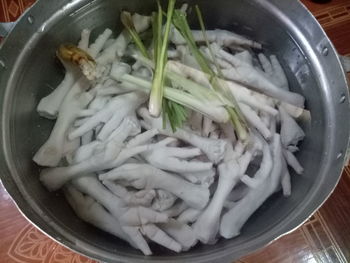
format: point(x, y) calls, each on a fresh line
point(168, 134)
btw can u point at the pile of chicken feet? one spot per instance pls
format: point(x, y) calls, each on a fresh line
point(124, 172)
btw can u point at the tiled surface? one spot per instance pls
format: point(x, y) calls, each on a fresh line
point(335, 19)
point(325, 238)
point(10, 10)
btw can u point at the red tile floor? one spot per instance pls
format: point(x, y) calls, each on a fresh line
point(325, 238)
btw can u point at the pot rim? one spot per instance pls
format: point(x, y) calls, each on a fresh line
point(38, 217)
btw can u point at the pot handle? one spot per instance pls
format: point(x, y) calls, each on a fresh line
point(5, 28)
point(346, 63)
point(345, 60)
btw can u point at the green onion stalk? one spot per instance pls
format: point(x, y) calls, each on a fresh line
point(161, 51)
point(181, 24)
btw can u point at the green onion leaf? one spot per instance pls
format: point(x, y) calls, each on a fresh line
point(126, 20)
point(204, 32)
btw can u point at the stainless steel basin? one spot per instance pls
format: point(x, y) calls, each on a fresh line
point(29, 70)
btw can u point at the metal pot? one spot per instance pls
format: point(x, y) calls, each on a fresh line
point(28, 70)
